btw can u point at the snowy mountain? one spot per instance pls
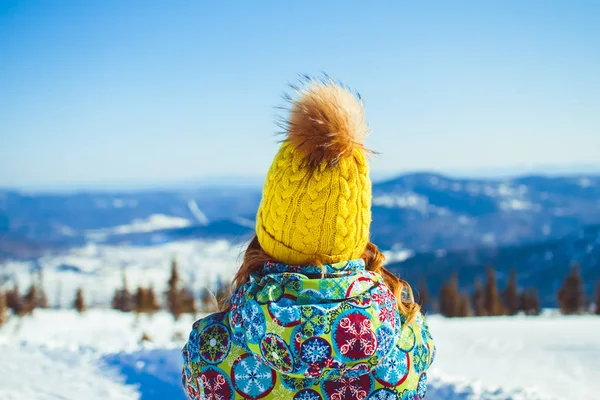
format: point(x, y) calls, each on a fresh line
point(420, 212)
point(541, 265)
point(428, 212)
point(31, 223)
point(428, 225)
point(98, 268)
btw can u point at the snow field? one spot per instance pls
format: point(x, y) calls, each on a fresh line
point(99, 355)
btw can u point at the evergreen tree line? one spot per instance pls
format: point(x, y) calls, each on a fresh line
point(487, 300)
point(178, 299)
point(572, 298)
point(484, 300)
point(35, 297)
point(21, 305)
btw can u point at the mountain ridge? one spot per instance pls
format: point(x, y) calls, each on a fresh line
point(542, 265)
point(416, 211)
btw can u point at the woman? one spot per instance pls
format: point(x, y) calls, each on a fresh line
point(314, 314)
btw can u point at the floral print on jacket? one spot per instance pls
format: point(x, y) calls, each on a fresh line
point(309, 333)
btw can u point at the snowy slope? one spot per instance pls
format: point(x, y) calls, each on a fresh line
point(99, 355)
point(421, 212)
point(98, 268)
point(553, 355)
point(154, 222)
point(32, 372)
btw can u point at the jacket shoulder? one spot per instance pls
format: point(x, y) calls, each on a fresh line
point(417, 342)
point(208, 345)
point(218, 322)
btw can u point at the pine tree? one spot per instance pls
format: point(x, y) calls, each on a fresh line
point(524, 303)
point(423, 295)
point(34, 296)
point(597, 300)
point(449, 297)
point(534, 302)
point(571, 295)
point(145, 301)
point(491, 297)
point(140, 300)
point(152, 303)
point(79, 303)
point(175, 296)
point(14, 300)
point(122, 299)
point(30, 300)
point(511, 298)
point(188, 302)
point(464, 308)
point(478, 299)
point(3, 308)
point(117, 301)
point(174, 279)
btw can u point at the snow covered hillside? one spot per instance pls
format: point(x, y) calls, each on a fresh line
point(421, 212)
point(97, 269)
point(100, 355)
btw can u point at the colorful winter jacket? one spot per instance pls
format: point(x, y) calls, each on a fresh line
point(299, 333)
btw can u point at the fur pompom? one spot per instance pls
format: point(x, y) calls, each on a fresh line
point(326, 122)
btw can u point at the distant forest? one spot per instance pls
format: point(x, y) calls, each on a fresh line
point(486, 299)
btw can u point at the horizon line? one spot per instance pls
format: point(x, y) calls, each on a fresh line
point(256, 181)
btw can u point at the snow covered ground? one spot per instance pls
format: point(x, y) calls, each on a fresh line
point(100, 355)
point(551, 356)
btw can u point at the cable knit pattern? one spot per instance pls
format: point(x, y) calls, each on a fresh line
point(320, 212)
point(316, 212)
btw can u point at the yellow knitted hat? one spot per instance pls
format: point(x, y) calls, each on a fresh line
point(316, 202)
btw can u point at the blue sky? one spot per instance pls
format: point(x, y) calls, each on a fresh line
point(143, 92)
